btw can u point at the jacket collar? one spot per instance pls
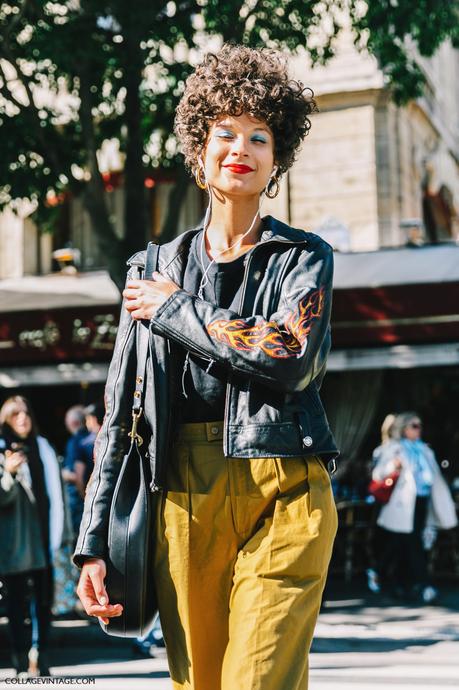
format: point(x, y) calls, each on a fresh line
point(172, 253)
point(276, 230)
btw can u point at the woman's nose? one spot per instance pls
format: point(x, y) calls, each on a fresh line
point(239, 147)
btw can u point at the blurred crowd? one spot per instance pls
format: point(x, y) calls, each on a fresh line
point(41, 507)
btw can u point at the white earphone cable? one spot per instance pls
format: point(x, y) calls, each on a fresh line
point(205, 279)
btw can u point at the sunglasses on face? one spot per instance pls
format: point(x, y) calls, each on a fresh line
point(415, 425)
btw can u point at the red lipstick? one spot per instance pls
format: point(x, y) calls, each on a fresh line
point(238, 168)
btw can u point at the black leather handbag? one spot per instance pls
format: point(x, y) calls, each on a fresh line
point(129, 580)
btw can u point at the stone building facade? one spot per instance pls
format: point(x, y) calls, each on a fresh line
point(372, 174)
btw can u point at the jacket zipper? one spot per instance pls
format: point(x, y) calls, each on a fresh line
point(241, 304)
point(157, 480)
point(228, 385)
point(154, 486)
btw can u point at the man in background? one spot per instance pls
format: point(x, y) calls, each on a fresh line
point(75, 424)
point(84, 451)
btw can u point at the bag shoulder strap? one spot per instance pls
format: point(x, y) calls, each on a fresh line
point(151, 260)
point(142, 341)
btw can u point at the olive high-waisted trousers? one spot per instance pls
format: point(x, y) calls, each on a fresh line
point(242, 551)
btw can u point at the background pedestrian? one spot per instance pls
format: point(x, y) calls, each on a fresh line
point(31, 530)
point(420, 498)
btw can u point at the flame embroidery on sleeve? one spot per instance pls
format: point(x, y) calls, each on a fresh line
point(267, 336)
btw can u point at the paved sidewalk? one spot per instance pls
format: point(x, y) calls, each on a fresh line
point(370, 643)
point(362, 643)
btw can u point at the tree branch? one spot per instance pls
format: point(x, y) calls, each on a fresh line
point(94, 193)
point(52, 152)
point(174, 205)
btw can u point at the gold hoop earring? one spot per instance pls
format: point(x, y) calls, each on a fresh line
point(268, 191)
point(197, 177)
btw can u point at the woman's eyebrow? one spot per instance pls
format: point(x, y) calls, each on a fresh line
point(231, 126)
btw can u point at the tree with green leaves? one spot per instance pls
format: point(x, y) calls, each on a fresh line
point(77, 72)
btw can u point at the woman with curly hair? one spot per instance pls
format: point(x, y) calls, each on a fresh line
point(238, 313)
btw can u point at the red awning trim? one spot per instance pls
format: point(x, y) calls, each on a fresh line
point(396, 314)
point(381, 323)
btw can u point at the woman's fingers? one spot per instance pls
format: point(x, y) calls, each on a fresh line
point(146, 291)
point(159, 278)
point(96, 576)
point(134, 284)
point(92, 593)
point(130, 293)
point(108, 611)
point(140, 314)
point(85, 590)
point(144, 297)
point(13, 461)
point(133, 304)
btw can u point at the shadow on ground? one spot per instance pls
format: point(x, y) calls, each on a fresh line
point(352, 620)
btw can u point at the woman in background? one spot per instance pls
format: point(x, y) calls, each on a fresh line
point(31, 527)
point(377, 574)
point(420, 498)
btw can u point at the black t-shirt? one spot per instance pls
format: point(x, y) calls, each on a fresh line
point(206, 391)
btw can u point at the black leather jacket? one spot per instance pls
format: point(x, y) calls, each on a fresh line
point(274, 348)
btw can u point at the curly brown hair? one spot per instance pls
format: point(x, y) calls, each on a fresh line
point(241, 80)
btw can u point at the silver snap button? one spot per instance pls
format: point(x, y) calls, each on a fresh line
point(214, 430)
point(257, 275)
point(307, 441)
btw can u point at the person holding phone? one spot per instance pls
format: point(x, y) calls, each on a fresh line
point(31, 529)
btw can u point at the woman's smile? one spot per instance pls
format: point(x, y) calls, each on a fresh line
point(238, 168)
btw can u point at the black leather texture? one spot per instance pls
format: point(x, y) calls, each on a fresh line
point(129, 561)
point(129, 579)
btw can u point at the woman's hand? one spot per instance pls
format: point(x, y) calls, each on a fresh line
point(92, 593)
point(68, 476)
point(397, 463)
point(13, 461)
point(144, 297)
